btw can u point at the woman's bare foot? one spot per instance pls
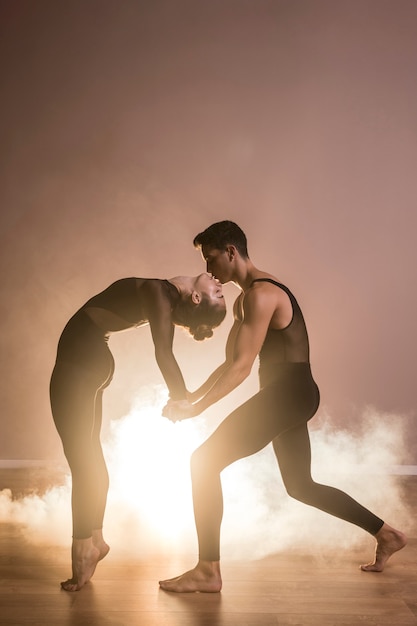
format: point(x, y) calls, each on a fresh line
point(99, 543)
point(205, 577)
point(85, 556)
point(388, 541)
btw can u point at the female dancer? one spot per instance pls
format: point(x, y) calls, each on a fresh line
point(84, 368)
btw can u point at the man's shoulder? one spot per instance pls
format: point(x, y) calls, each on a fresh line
point(266, 292)
point(265, 278)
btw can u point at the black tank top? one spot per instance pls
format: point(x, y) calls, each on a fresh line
point(286, 345)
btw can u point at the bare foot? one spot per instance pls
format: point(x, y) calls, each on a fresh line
point(388, 541)
point(205, 577)
point(100, 544)
point(85, 556)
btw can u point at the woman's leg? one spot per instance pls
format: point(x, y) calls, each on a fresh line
point(73, 398)
point(102, 476)
point(102, 481)
point(77, 406)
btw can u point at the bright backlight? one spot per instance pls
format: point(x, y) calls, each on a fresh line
point(149, 467)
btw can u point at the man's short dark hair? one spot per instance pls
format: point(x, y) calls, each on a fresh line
point(222, 234)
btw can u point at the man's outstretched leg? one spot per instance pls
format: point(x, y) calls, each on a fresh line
point(293, 453)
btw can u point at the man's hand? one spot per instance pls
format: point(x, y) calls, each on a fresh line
point(193, 396)
point(177, 410)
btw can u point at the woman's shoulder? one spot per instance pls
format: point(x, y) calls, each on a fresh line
point(152, 283)
point(158, 288)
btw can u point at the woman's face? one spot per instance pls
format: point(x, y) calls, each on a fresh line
point(210, 287)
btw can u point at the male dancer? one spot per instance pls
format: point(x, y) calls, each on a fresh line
point(268, 322)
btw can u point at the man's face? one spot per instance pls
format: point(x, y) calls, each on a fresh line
point(217, 263)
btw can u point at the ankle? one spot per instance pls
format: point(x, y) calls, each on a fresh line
point(82, 543)
point(211, 568)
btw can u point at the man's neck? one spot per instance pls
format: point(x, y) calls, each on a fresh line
point(244, 274)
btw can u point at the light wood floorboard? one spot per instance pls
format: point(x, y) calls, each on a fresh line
point(285, 589)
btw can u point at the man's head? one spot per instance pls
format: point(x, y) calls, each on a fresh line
point(221, 245)
point(222, 234)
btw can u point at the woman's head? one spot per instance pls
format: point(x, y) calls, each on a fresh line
point(203, 309)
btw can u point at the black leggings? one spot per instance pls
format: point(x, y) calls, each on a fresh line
point(84, 367)
point(278, 413)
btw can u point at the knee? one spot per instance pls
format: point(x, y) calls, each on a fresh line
point(298, 489)
point(197, 461)
point(80, 456)
point(202, 462)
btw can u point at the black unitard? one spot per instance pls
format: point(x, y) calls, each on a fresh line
point(278, 413)
point(84, 368)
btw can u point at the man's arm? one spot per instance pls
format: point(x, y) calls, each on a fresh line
point(193, 396)
point(214, 376)
point(247, 338)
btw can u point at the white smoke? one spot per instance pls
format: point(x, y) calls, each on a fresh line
point(149, 507)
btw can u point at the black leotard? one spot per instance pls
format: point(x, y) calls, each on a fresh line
point(128, 299)
point(126, 303)
point(84, 368)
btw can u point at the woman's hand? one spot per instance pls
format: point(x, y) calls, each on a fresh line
point(177, 410)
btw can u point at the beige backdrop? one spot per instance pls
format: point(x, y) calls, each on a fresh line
point(127, 127)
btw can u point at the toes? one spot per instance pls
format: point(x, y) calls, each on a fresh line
point(169, 580)
point(372, 567)
point(70, 585)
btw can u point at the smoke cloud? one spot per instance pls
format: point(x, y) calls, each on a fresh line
point(149, 507)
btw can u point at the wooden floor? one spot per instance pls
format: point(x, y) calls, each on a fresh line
point(288, 588)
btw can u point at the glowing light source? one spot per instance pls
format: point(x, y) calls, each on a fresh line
point(149, 460)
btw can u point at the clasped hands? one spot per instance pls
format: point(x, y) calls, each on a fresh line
point(177, 410)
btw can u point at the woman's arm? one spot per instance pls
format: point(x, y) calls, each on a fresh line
point(159, 312)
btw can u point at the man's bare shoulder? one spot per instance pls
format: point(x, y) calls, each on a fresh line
point(261, 297)
point(262, 278)
point(262, 287)
point(264, 298)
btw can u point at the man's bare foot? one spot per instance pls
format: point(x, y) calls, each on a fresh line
point(388, 541)
point(85, 556)
point(205, 577)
